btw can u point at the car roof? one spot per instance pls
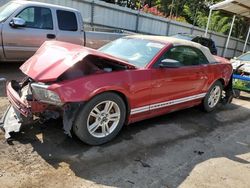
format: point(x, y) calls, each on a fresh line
point(168, 40)
point(184, 36)
point(177, 42)
point(33, 3)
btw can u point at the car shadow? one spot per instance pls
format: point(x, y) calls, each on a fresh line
point(9, 71)
point(143, 148)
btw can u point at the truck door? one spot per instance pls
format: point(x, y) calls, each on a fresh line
point(20, 43)
point(68, 28)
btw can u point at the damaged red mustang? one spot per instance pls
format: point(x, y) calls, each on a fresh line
point(133, 78)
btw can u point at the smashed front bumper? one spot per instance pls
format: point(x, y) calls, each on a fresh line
point(23, 111)
point(19, 104)
point(18, 110)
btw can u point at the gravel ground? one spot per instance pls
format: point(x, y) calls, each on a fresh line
point(188, 148)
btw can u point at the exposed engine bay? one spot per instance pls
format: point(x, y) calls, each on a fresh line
point(91, 65)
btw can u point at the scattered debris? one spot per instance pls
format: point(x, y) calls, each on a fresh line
point(131, 182)
point(134, 172)
point(199, 152)
point(223, 178)
point(143, 163)
point(2, 173)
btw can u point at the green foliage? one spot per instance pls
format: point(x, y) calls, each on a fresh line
point(218, 23)
point(194, 12)
point(241, 85)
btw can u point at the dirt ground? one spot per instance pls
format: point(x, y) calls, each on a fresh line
point(188, 148)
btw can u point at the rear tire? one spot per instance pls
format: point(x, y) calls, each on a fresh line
point(213, 97)
point(101, 119)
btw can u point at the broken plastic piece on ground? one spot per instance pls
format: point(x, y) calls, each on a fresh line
point(199, 152)
point(143, 163)
point(11, 121)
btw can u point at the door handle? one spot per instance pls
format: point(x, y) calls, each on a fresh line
point(51, 36)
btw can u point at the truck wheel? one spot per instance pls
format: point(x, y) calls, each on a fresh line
point(101, 119)
point(213, 97)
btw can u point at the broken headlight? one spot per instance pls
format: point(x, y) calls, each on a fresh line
point(42, 94)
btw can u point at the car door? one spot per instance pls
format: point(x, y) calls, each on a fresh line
point(20, 43)
point(172, 86)
point(68, 29)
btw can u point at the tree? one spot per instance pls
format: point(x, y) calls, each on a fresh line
point(194, 12)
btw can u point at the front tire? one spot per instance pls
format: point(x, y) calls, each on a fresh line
point(101, 119)
point(213, 97)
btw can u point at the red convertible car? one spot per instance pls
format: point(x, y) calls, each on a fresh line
point(130, 79)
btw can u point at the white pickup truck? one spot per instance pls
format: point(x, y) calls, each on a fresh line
point(25, 25)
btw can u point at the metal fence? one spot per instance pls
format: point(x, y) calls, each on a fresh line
point(98, 13)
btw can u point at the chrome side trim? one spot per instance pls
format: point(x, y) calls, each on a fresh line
point(139, 110)
point(165, 104)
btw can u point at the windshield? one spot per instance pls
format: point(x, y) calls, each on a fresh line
point(138, 52)
point(244, 57)
point(7, 9)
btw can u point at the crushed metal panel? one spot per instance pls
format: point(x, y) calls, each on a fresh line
point(11, 121)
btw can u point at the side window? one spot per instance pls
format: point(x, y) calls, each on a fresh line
point(66, 20)
point(186, 55)
point(28, 15)
point(202, 57)
point(37, 17)
point(190, 57)
point(176, 53)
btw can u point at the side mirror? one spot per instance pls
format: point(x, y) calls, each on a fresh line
point(234, 58)
point(17, 22)
point(170, 63)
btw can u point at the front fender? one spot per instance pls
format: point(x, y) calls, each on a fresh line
point(108, 89)
point(85, 88)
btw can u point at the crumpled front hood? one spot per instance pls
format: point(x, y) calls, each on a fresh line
point(53, 58)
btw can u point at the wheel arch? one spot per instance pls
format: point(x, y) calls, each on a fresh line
point(222, 81)
point(126, 101)
point(119, 93)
